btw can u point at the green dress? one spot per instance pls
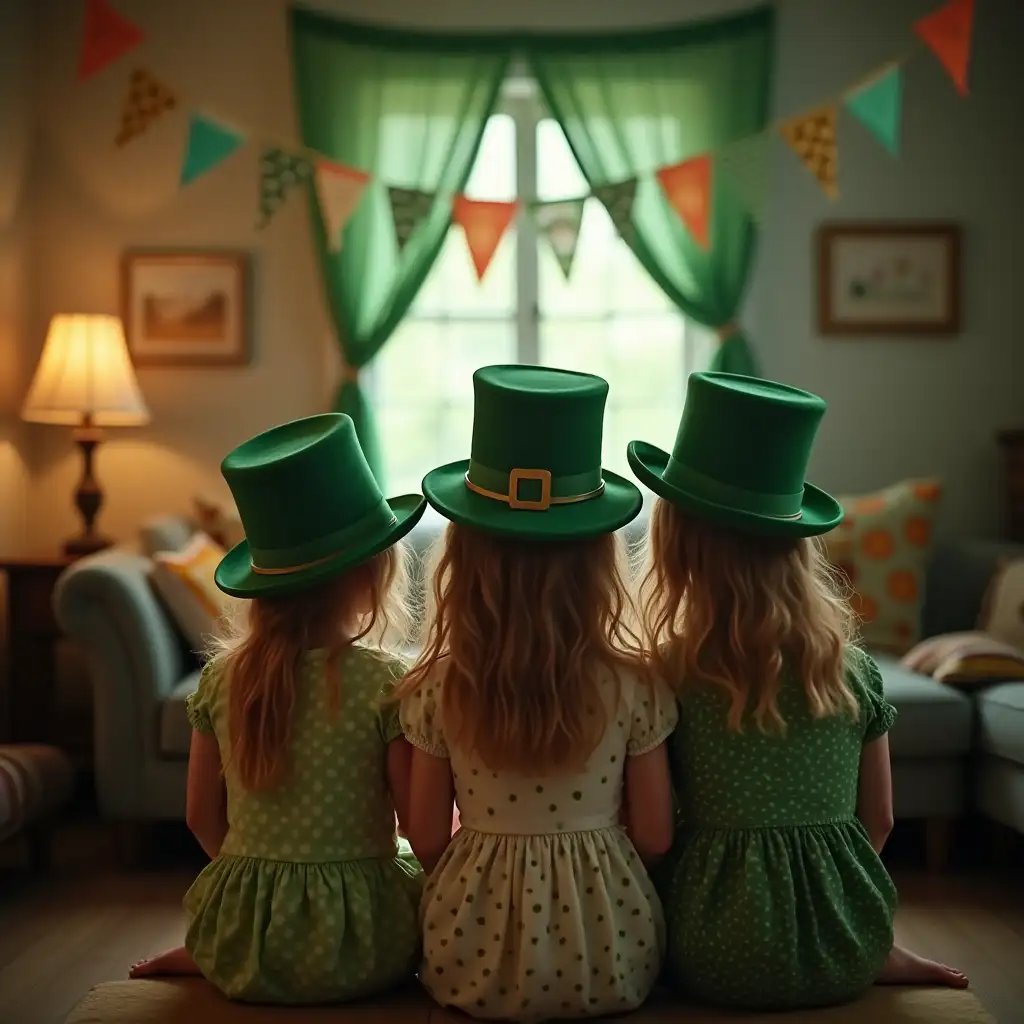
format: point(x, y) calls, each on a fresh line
point(312, 897)
point(773, 895)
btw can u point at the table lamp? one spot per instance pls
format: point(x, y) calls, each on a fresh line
point(85, 379)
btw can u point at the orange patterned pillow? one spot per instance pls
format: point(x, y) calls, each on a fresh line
point(883, 547)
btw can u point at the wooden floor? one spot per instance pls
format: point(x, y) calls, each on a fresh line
point(85, 922)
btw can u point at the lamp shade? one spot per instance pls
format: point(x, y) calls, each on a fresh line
point(85, 375)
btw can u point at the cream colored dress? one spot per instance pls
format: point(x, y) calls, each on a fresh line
point(541, 906)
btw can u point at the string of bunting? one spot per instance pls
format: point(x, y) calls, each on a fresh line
point(875, 101)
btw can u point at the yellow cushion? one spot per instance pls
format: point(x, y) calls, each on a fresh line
point(964, 658)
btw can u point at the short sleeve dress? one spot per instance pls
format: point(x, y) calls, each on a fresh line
point(312, 897)
point(541, 907)
point(774, 896)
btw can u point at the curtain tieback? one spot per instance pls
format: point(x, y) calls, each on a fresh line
point(728, 330)
point(349, 374)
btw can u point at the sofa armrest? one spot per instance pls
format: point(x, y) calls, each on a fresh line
point(106, 606)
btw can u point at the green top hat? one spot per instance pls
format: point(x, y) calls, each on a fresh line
point(740, 458)
point(534, 470)
point(310, 508)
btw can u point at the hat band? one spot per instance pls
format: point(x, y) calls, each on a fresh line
point(282, 561)
point(504, 485)
point(774, 506)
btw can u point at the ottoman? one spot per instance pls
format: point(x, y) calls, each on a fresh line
point(34, 782)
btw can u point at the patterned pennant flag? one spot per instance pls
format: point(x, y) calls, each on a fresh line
point(107, 36)
point(877, 103)
point(687, 186)
point(409, 206)
point(618, 199)
point(813, 138)
point(209, 142)
point(339, 190)
point(148, 98)
point(742, 166)
point(483, 223)
point(280, 172)
point(559, 222)
point(947, 32)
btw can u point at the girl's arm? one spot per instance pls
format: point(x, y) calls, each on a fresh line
point(206, 803)
point(432, 797)
point(874, 791)
point(399, 769)
point(648, 803)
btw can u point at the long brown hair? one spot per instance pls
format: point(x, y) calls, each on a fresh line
point(737, 611)
point(519, 636)
point(261, 657)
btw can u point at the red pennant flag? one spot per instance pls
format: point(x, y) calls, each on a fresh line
point(687, 187)
point(947, 32)
point(107, 37)
point(484, 224)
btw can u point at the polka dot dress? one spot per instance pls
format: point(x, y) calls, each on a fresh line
point(774, 896)
point(312, 899)
point(541, 907)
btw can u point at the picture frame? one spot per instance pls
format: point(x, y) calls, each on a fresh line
point(186, 308)
point(889, 278)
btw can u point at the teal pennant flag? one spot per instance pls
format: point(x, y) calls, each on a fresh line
point(877, 105)
point(209, 142)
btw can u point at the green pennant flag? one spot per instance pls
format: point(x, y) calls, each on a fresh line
point(877, 105)
point(209, 142)
point(618, 199)
point(280, 172)
point(559, 222)
point(409, 206)
point(743, 168)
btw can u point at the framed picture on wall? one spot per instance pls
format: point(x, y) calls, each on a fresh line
point(186, 308)
point(889, 278)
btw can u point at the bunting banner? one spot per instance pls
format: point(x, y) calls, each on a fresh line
point(559, 222)
point(947, 33)
point(280, 172)
point(147, 99)
point(743, 167)
point(209, 143)
point(409, 206)
point(877, 105)
point(687, 186)
point(484, 224)
point(339, 190)
point(813, 138)
point(107, 36)
point(618, 199)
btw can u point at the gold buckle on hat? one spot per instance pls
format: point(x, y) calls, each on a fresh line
point(541, 504)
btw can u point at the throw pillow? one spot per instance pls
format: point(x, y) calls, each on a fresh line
point(1002, 609)
point(964, 658)
point(883, 547)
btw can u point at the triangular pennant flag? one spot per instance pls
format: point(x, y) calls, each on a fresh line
point(742, 166)
point(209, 142)
point(617, 199)
point(339, 190)
point(280, 172)
point(687, 186)
point(559, 222)
point(484, 223)
point(877, 105)
point(148, 98)
point(947, 32)
point(409, 206)
point(813, 138)
point(107, 36)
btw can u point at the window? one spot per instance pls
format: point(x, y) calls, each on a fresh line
point(609, 318)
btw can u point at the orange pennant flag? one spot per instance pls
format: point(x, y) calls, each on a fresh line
point(947, 32)
point(813, 138)
point(687, 187)
point(107, 36)
point(484, 223)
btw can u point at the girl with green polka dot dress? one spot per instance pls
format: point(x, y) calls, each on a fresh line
point(531, 707)
point(298, 764)
point(775, 895)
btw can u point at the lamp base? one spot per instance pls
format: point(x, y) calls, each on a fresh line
point(85, 544)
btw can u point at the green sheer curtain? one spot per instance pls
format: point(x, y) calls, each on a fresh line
point(630, 104)
point(410, 109)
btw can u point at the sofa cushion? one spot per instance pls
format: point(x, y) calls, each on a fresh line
point(933, 719)
point(175, 730)
point(1001, 721)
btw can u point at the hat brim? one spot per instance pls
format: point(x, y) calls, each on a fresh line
point(620, 503)
point(820, 512)
point(235, 575)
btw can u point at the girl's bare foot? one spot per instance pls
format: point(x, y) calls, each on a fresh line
point(905, 968)
point(174, 961)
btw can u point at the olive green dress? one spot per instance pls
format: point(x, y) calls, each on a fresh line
point(773, 895)
point(312, 898)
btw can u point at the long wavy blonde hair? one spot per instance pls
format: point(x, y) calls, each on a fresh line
point(519, 636)
point(260, 657)
point(738, 611)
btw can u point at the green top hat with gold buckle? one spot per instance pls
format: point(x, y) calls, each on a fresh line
point(740, 458)
point(534, 469)
point(310, 508)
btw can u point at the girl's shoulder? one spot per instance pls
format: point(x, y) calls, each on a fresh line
point(376, 668)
